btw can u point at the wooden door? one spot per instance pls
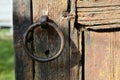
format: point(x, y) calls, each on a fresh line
point(100, 22)
point(67, 65)
point(91, 32)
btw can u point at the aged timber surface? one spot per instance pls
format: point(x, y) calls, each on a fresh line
point(97, 12)
point(101, 56)
point(67, 66)
point(54, 70)
point(21, 21)
point(101, 50)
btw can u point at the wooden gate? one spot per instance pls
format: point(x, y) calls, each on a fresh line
point(91, 36)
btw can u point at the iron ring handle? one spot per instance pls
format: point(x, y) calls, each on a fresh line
point(30, 53)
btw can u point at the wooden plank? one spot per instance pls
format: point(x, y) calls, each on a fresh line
point(75, 47)
point(101, 26)
point(97, 3)
point(116, 50)
point(98, 55)
point(58, 69)
point(76, 55)
point(21, 21)
point(101, 56)
point(98, 15)
point(95, 12)
point(98, 9)
point(99, 22)
point(40, 7)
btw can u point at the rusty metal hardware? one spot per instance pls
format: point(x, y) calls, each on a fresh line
point(67, 15)
point(28, 36)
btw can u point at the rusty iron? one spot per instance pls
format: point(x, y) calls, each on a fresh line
point(44, 23)
point(67, 15)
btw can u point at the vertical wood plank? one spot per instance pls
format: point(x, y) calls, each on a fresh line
point(98, 56)
point(101, 55)
point(75, 46)
point(116, 56)
point(75, 56)
point(21, 20)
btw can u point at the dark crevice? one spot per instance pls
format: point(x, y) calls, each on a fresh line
point(69, 47)
point(69, 6)
point(32, 45)
point(82, 61)
point(83, 56)
point(33, 68)
point(85, 25)
point(31, 11)
point(115, 29)
point(104, 30)
point(76, 16)
point(68, 10)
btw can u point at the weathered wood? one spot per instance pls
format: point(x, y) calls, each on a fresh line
point(67, 66)
point(98, 16)
point(76, 55)
point(58, 69)
point(101, 56)
point(21, 21)
point(97, 3)
point(75, 47)
point(101, 50)
point(100, 9)
point(97, 13)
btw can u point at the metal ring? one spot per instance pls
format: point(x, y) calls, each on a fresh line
point(30, 53)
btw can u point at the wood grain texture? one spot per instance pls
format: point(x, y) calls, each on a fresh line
point(76, 55)
point(96, 12)
point(67, 66)
point(101, 56)
point(97, 3)
point(21, 21)
point(75, 47)
point(101, 49)
point(58, 69)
